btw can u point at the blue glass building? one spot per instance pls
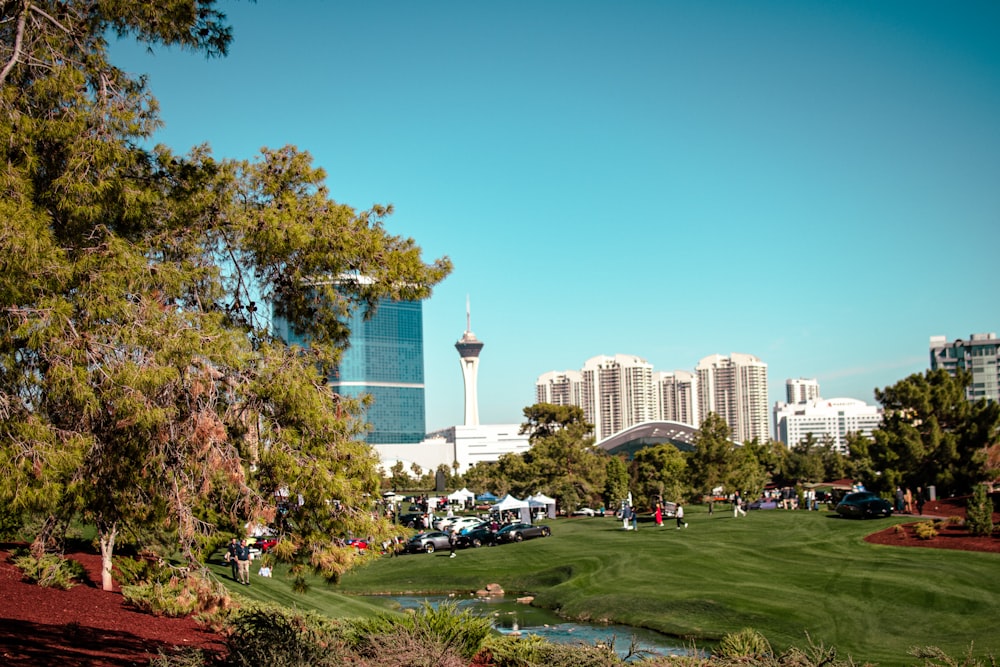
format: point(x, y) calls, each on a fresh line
point(385, 360)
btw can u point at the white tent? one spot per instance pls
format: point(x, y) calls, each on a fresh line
point(542, 500)
point(511, 504)
point(464, 496)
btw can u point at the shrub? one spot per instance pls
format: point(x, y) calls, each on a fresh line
point(180, 596)
point(979, 513)
point(507, 651)
point(745, 643)
point(142, 569)
point(925, 530)
point(277, 637)
point(50, 571)
point(464, 632)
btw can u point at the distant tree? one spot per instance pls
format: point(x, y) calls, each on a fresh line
point(485, 476)
point(398, 478)
point(979, 512)
point(746, 471)
point(616, 484)
point(932, 435)
point(805, 461)
point(658, 472)
point(562, 461)
point(711, 461)
point(860, 464)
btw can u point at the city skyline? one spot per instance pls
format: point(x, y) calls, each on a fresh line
point(810, 183)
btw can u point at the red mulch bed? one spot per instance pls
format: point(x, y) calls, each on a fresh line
point(90, 627)
point(950, 536)
point(85, 625)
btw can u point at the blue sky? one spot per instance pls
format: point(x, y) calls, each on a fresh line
point(813, 183)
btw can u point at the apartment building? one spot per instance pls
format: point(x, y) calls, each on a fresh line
point(978, 355)
point(735, 387)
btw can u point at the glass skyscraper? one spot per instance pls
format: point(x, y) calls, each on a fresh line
point(385, 360)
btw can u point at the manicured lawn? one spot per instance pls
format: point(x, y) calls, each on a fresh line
point(787, 574)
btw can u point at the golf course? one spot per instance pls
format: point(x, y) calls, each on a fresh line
point(795, 576)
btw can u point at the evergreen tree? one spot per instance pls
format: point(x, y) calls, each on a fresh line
point(139, 384)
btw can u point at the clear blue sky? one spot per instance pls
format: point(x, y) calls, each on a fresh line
point(814, 183)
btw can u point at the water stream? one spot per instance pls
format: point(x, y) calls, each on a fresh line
point(512, 617)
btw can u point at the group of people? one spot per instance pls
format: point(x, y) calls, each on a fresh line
point(630, 517)
point(238, 557)
point(909, 502)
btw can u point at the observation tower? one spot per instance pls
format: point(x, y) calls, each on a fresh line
point(468, 349)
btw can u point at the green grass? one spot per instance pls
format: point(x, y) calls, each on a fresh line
point(786, 574)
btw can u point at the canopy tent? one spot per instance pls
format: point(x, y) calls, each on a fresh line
point(487, 497)
point(540, 500)
point(463, 496)
point(511, 504)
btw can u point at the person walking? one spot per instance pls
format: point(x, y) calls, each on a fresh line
point(920, 500)
point(681, 523)
point(452, 541)
point(243, 562)
point(738, 506)
point(659, 514)
point(231, 557)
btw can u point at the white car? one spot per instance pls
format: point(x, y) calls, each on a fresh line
point(463, 522)
point(584, 511)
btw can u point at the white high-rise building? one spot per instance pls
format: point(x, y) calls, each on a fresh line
point(801, 390)
point(735, 387)
point(676, 395)
point(617, 392)
point(560, 388)
point(980, 355)
point(826, 419)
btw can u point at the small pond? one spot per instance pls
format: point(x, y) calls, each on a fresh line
point(510, 616)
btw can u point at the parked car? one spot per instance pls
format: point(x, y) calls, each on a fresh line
point(477, 536)
point(266, 543)
point(515, 532)
point(584, 511)
point(429, 542)
point(863, 505)
point(460, 522)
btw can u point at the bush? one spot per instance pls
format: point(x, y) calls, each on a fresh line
point(180, 596)
point(746, 643)
point(506, 651)
point(925, 530)
point(50, 571)
point(462, 632)
point(277, 637)
point(979, 513)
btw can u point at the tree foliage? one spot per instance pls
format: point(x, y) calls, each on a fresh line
point(931, 435)
point(710, 462)
point(658, 473)
point(562, 461)
point(140, 383)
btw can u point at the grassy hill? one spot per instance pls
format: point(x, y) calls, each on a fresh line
point(794, 576)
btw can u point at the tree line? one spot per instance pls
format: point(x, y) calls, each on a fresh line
point(930, 436)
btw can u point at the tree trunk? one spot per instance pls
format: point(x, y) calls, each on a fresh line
point(108, 534)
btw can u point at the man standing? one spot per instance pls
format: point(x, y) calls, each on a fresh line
point(231, 556)
point(243, 562)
